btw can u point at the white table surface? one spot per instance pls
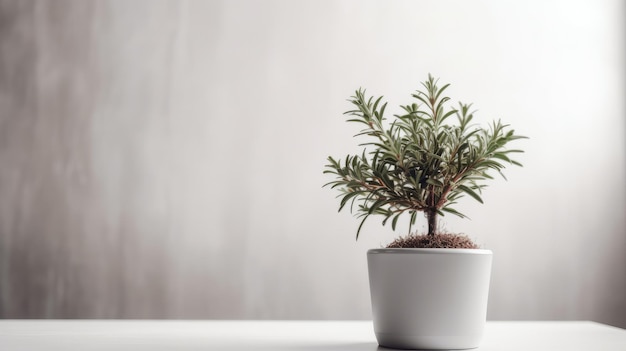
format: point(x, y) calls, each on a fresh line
point(31, 335)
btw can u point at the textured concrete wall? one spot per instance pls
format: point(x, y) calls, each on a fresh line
point(163, 159)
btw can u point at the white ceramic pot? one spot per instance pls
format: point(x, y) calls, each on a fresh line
point(429, 298)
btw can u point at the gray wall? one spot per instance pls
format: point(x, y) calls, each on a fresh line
point(163, 159)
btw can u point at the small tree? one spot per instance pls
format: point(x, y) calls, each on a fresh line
point(418, 163)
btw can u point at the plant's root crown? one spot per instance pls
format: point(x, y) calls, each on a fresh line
point(437, 241)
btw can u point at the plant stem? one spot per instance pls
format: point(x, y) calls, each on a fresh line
point(431, 216)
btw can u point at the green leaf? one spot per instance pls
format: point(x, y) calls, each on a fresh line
point(358, 231)
point(500, 156)
point(441, 91)
point(376, 205)
point(394, 221)
point(471, 193)
point(454, 212)
point(346, 198)
point(412, 221)
point(435, 182)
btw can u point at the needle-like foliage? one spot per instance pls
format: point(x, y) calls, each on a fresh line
point(425, 160)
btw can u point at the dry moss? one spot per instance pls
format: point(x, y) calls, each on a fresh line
point(438, 241)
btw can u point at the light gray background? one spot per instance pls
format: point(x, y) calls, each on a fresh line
point(163, 159)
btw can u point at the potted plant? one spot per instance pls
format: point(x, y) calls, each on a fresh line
point(428, 291)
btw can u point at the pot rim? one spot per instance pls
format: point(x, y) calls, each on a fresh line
point(431, 251)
